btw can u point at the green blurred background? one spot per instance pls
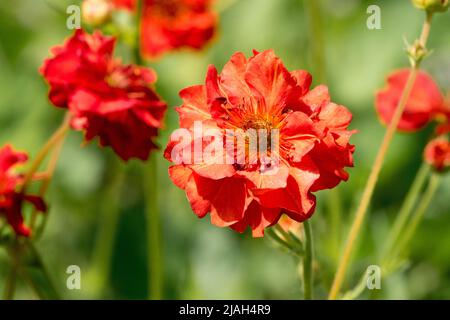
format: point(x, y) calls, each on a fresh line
point(201, 261)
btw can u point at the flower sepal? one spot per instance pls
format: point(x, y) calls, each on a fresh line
point(432, 6)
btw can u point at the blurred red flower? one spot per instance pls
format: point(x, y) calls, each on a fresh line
point(437, 153)
point(261, 94)
point(168, 25)
point(425, 102)
point(11, 201)
point(444, 118)
point(124, 4)
point(105, 98)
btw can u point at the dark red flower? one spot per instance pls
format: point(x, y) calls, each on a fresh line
point(11, 201)
point(107, 99)
point(437, 153)
point(424, 104)
point(168, 25)
point(251, 190)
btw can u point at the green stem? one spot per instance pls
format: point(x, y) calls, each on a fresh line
point(154, 264)
point(316, 43)
point(335, 222)
point(110, 215)
point(307, 262)
point(155, 268)
point(49, 172)
point(137, 45)
point(317, 51)
point(406, 209)
point(279, 241)
point(10, 286)
point(402, 239)
point(31, 283)
point(41, 266)
point(418, 214)
point(377, 166)
point(357, 290)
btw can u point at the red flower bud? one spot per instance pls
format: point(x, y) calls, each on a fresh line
point(11, 201)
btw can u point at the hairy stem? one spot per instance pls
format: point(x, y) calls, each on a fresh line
point(49, 172)
point(406, 209)
point(59, 134)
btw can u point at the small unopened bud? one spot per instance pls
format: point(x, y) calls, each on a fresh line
point(432, 5)
point(96, 12)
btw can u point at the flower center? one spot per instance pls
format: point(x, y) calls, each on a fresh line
point(257, 122)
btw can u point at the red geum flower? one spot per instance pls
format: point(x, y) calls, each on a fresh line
point(437, 153)
point(261, 94)
point(107, 99)
point(424, 104)
point(11, 201)
point(168, 25)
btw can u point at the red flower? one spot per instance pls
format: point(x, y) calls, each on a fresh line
point(437, 153)
point(10, 200)
point(124, 4)
point(424, 104)
point(168, 25)
point(106, 98)
point(443, 128)
point(260, 94)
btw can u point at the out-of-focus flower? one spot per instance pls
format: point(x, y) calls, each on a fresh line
point(96, 12)
point(289, 225)
point(107, 99)
point(443, 128)
point(432, 5)
point(11, 201)
point(260, 95)
point(425, 102)
point(444, 118)
point(168, 25)
point(437, 153)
